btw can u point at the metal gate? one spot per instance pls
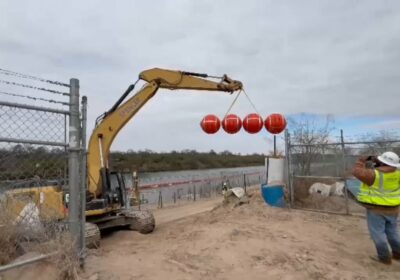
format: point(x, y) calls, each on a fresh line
point(41, 148)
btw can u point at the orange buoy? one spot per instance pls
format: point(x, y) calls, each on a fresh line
point(253, 123)
point(275, 123)
point(231, 124)
point(210, 124)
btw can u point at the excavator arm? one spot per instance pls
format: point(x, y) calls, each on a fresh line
point(114, 120)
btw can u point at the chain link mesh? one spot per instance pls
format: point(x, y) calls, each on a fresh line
point(33, 172)
point(32, 125)
point(320, 173)
point(197, 188)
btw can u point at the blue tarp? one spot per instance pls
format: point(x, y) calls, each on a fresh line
point(353, 185)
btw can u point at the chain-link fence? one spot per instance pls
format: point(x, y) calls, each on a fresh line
point(32, 146)
point(320, 173)
point(195, 188)
point(38, 146)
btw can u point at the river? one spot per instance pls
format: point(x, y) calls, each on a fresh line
point(191, 184)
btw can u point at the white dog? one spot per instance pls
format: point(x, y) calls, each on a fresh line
point(327, 190)
point(320, 188)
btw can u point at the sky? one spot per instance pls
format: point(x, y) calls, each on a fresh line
point(316, 57)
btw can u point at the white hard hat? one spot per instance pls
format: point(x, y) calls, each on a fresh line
point(389, 158)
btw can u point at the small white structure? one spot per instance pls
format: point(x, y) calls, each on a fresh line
point(275, 169)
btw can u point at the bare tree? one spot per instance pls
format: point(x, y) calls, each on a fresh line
point(381, 141)
point(310, 135)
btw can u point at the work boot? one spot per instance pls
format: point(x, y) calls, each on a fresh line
point(396, 256)
point(384, 261)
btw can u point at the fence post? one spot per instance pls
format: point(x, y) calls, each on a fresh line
point(135, 179)
point(73, 162)
point(66, 148)
point(160, 200)
point(83, 188)
point(267, 171)
point(244, 183)
point(288, 178)
point(194, 192)
point(344, 172)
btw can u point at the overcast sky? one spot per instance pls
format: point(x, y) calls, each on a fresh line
point(319, 57)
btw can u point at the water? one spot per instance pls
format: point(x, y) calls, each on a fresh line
point(188, 184)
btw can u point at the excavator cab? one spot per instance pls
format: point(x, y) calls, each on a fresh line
point(113, 208)
point(117, 188)
point(112, 194)
point(114, 188)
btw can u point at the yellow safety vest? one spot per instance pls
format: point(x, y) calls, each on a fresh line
point(385, 191)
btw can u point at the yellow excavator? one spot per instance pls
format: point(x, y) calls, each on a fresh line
point(106, 198)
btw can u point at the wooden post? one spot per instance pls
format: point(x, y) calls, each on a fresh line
point(160, 200)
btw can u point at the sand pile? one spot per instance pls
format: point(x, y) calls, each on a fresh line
point(251, 241)
point(330, 203)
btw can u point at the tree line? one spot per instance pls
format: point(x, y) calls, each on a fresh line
point(24, 162)
point(150, 161)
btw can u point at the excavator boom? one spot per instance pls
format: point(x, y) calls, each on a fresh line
point(114, 120)
point(187, 80)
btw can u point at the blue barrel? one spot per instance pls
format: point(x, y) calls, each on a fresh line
point(273, 195)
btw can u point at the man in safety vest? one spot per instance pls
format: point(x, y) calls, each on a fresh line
point(380, 194)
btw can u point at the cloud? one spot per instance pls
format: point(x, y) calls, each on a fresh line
point(384, 125)
point(337, 57)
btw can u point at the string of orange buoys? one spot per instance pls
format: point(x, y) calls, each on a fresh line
point(252, 123)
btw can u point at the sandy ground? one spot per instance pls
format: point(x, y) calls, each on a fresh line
point(252, 241)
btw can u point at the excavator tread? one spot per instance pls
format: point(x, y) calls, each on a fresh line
point(141, 220)
point(92, 235)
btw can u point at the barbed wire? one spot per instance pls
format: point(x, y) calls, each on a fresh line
point(34, 98)
point(33, 87)
point(20, 75)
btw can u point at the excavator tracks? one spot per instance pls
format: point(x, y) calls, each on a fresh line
point(92, 235)
point(140, 220)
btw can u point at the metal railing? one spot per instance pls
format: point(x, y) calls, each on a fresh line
point(195, 189)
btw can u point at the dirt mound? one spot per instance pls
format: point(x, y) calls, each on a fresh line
point(43, 270)
point(317, 201)
point(330, 203)
point(251, 241)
